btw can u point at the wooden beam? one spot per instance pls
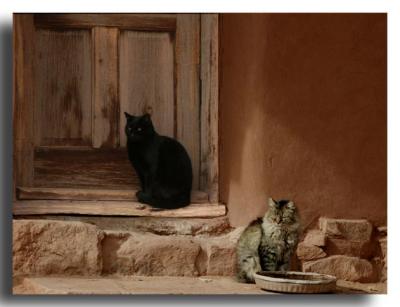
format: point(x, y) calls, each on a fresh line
point(209, 106)
point(113, 208)
point(139, 22)
point(187, 56)
point(198, 197)
point(23, 98)
point(105, 97)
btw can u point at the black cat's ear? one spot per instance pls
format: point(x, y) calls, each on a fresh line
point(127, 115)
point(147, 117)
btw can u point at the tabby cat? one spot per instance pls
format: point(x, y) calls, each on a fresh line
point(162, 164)
point(268, 243)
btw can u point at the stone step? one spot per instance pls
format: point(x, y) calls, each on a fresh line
point(68, 248)
point(157, 225)
point(140, 285)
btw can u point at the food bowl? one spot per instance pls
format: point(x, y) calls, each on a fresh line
point(295, 282)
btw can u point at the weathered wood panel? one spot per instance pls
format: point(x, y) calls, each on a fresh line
point(63, 108)
point(99, 168)
point(187, 50)
point(209, 106)
point(23, 98)
point(105, 128)
point(197, 197)
point(147, 79)
point(138, 22)
point(79, 76)
point(110, 208)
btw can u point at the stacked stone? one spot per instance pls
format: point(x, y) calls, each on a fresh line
point(184, 247)
point(340, 247)
point(191, 247)
point(383, 248)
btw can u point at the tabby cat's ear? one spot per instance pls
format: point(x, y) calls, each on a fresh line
point(271, 202)
point(127, 115)
point(290, 205)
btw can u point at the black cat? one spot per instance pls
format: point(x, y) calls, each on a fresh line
point(162, 164)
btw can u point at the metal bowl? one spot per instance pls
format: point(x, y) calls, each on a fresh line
point(295, 282)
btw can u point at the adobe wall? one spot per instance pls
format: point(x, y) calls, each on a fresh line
point(303, 114)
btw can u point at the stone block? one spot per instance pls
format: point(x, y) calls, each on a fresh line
point(44, 247)
point(343, 267)
point(349, 229)
point(315, 237)
point(149, 255)
point(309, 252)
point(361, 249)
point(219, 254)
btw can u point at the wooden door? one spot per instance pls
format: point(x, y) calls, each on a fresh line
point(75, 76)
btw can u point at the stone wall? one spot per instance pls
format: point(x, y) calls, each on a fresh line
point(352, 250)
point(182, 247)
point(347, 249)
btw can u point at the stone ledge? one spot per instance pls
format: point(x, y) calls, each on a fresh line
point(156, 225)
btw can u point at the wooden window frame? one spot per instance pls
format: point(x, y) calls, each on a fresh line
point(23, 109)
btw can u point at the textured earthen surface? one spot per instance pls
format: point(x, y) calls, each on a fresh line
point(205, 285)
point(303, 114)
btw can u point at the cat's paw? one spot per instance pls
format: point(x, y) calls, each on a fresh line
point(157, 209)
point(142, 197)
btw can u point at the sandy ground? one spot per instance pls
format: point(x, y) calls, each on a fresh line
point(205, 285)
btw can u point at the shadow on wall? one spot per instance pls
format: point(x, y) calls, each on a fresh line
point(6, 157)
point(303, 114)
